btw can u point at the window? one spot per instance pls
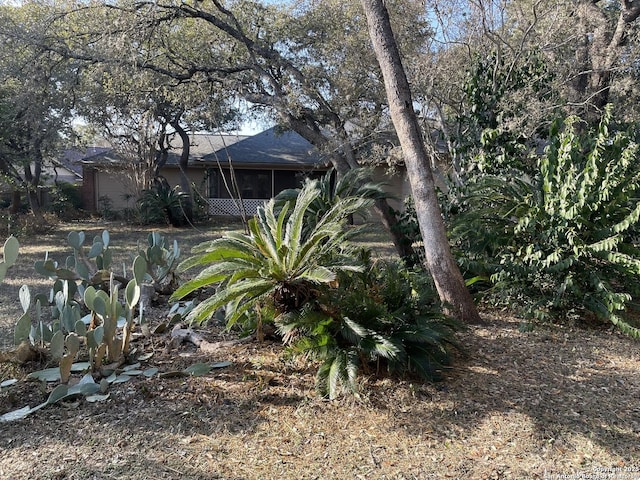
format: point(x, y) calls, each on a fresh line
point(251, 184)
point(284, 179)
point(254, 184)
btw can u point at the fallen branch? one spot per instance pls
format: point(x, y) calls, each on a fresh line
point(180, 335)
point(23, 353)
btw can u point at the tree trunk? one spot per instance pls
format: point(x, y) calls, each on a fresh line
point(446, 274)
point(400, 241)
point(162, 155)
point(185, 183)
point(599, 52)
point(32, 182)
point(16, 199)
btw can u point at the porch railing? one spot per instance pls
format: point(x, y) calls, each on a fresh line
point(231, 208)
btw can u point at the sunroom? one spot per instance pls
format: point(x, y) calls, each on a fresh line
point(243, 176)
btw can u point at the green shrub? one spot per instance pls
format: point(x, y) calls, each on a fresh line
point(105, 208)
point(563, 244)
point(65, 200)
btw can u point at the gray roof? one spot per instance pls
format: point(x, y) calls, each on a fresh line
point(72, 158)
point(202, 144)
point(269, 148)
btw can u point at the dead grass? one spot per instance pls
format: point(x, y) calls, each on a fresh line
point(554, 401)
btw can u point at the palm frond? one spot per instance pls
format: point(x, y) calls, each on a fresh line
point(377, 346)
point(353, 332)
point(243, 292)
point(212, 275)
point(232, 246)
point(295, 223)
point(318, 275)
point(337, 374)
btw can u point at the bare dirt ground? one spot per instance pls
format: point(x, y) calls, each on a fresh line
point(555, 402)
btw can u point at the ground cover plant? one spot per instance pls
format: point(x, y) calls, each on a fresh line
point(556, 400)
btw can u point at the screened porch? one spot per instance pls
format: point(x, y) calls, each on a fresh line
point(247, 189)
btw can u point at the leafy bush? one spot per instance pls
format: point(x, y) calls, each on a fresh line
point(492, 133)
point(105, 207)
point(565, 242)
point(65, 200)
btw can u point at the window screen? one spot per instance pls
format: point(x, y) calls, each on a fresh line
point(250, 184)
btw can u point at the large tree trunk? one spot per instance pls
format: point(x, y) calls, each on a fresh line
point(443, 268)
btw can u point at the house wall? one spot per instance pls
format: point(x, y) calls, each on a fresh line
point(396, 184)
point(196, 176)
point(114, 186)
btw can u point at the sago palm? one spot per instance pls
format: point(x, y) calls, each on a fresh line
point(384, 317)
point(333, 188)
point(280, 261)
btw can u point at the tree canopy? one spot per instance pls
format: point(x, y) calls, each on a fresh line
point(36, 98)
point(487, 80)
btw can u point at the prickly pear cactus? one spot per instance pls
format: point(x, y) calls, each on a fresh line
point(72, 343)
point(88, 299)
point(9, 254)
point(161, 263)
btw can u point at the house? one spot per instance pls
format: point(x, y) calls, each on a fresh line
point(67, 167)
point(235, 174)
point(62, 172)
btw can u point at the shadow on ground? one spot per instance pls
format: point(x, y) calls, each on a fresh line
point(568, 390)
